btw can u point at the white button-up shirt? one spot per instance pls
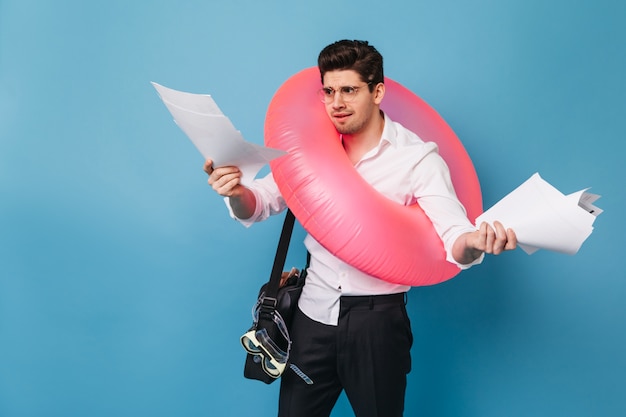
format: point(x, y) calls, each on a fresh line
point(403, 168)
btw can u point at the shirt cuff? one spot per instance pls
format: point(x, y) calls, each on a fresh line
point(450, 258)
point(250, 220)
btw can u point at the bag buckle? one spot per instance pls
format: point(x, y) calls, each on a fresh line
point(268, 305)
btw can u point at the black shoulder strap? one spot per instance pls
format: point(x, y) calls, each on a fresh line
point(271, 290)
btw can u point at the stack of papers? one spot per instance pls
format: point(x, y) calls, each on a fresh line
point(213, 133)
point(543, 218)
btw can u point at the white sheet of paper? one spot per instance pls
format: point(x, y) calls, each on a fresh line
point(213, 134)
point(543, 218)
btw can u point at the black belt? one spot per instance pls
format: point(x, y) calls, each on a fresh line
point(372, 300)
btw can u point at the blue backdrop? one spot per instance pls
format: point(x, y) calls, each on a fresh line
point(124, 286)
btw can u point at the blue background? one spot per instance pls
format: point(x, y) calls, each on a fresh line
point(124, 286)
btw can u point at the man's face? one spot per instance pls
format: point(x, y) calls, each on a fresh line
point(350, 113)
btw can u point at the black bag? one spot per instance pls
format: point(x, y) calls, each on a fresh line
point(267, 342)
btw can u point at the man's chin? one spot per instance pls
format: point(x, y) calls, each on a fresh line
point(344, 130)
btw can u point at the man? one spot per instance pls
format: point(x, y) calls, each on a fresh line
point(351, 331)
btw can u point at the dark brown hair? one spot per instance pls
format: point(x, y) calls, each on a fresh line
point(354, 55)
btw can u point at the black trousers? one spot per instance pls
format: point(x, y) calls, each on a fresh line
point(367, 354)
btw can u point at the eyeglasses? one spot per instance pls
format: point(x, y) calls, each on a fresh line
point(347, 93)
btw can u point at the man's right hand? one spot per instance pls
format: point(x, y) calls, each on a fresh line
point(226, 181)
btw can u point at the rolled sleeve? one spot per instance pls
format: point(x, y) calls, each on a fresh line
point(268, 199)
point(436, 196)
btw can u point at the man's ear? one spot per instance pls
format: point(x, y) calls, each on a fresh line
point(379, 93)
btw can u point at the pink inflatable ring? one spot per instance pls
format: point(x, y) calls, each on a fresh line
point(338, 208)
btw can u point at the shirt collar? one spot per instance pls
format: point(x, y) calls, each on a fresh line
point(389, 132)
